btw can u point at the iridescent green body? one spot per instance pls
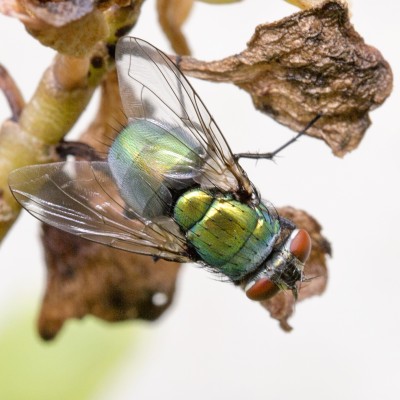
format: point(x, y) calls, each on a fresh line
point(153, 147)
point(170, 187)
point(230, 236)
point(145, 157)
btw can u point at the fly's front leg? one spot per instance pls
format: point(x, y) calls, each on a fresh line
point(287, 228)
point(271, 155)
point(287, 224)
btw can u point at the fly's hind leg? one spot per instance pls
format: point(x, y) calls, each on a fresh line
point(79, 150)
point(271, 155)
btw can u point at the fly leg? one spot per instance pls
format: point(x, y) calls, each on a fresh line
point(80, 150)
point(287, 224)
point(271, 155)
point(287, 227)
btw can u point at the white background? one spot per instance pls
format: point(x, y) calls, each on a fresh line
point(213, 343)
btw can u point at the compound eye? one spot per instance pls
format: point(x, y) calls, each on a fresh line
point(300, 244)
point(262, 289)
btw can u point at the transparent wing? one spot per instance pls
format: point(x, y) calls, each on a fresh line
point(81, 198)
point(153, 88)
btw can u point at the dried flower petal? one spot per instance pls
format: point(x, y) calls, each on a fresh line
point(310, 63)
point(88, 278)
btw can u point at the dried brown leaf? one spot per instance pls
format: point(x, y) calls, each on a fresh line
point(88, 278)
point(312, 62)
point(281, 306)
point(171, 15)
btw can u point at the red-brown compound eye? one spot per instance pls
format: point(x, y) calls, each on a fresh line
point(262, 289)
point(300, 245)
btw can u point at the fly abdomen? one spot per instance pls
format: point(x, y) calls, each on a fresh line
point(228, 235)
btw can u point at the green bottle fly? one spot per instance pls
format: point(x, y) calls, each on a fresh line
point(169, 187)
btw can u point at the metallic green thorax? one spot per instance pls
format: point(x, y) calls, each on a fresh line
point(230, 236)
point(153, 148)
point(152, 162)
point(148, 160)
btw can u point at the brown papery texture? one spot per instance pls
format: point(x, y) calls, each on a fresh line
point(310, 63)
point(88, 278)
